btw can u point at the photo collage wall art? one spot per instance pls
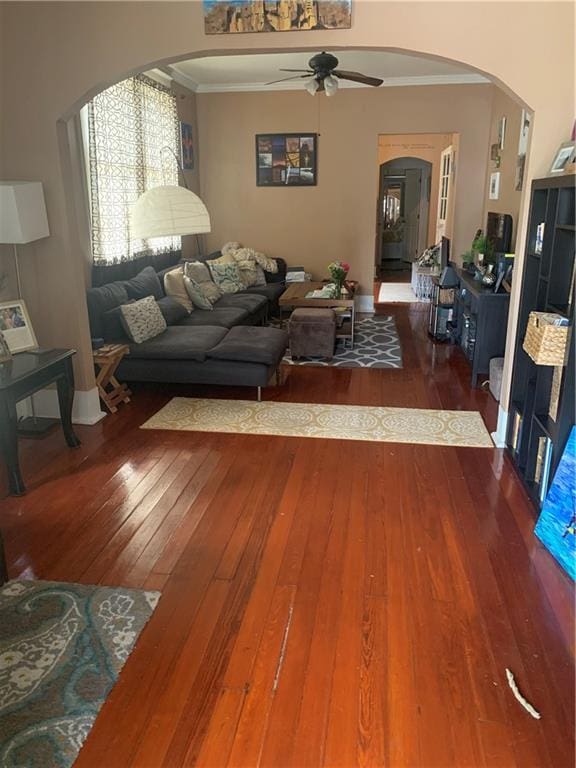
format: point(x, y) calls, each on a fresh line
point(286, 159)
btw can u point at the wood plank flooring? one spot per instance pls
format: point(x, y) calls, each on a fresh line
point(324, 602)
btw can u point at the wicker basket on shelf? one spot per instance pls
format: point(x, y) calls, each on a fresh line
point(545, 342)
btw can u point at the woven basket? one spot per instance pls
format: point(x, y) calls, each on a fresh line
point(544, 342)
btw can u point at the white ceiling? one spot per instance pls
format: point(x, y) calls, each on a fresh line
point(252, 71)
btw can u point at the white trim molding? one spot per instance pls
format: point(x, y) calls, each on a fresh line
point(298, 85)
point(364, 303)
point(499, 436)
point(86, 409)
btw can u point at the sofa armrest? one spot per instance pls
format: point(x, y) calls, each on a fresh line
point(277, 277)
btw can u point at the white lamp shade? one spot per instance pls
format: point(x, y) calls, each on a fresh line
point(22, 212)
point(168, 211)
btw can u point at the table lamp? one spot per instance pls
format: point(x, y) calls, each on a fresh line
point(22, 216)
point(23, 220)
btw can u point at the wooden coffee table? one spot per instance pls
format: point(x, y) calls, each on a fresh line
point(295, 296)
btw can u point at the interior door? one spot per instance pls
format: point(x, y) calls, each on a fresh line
point(412, 198)
point(444, 191)
point(390, 235)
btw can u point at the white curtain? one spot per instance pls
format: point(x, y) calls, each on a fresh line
point(129, 126)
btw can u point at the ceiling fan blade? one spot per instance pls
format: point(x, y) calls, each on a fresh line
point(357, 77)
point(283, 79)
point(296, 70)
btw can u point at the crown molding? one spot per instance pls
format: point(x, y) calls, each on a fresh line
point(298, 85)
point(180, 77)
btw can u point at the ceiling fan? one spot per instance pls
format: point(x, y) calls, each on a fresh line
point(324, 76)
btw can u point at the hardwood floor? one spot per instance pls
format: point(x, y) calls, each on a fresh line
point(324, 602)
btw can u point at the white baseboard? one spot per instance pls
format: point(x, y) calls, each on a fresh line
point(364, 303)
point(499, 436)
point(86, 408)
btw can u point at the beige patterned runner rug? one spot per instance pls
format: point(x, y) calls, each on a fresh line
point(337, 422)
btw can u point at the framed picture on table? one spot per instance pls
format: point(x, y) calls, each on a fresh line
point(16, 326)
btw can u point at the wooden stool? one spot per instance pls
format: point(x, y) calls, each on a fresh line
point(110, 390)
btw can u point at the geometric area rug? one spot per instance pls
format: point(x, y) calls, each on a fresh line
point(337, 422)
point(62, 647)
point(376, 345)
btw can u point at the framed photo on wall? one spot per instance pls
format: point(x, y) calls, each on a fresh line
point(494, 185)
point(187, 145)
point(16, 326)
point(286, 159)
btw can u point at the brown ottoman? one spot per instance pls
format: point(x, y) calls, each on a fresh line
point(312, 332)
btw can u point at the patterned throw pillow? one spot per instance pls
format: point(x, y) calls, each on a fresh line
point(197, 270)
point(174, 286)
point(196, 294)
point(227, 277)
point(142, 320)
point(251, 273)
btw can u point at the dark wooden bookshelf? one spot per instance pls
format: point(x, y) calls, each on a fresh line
point(542, 396)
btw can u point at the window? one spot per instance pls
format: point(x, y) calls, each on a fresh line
point(128, 126)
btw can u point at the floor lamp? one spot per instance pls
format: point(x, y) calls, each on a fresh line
point(168, 211)
point(23, 220)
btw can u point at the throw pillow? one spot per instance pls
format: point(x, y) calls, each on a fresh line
point(197, 270)
point(227, 277)
point(146, 283)
point(172, 310)
point(174, 286)
point(142, 320)
point(251, 273)
point(196, 294)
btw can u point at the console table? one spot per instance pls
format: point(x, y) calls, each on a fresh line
point(20, 377)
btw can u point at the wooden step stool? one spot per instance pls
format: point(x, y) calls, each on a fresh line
point(111, 392)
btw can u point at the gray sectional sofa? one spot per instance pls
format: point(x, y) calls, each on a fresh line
point(228, 345)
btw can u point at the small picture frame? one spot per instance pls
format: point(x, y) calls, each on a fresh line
point(501, 132)
point(494, 192)
point(563, 157)
point(16, 326)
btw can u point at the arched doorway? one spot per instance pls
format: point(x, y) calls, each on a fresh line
point(403, 210)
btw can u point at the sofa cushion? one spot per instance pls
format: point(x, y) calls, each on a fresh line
point(251, 302)
point(272, 291)
point(146, 283)
point(179, 343)
point(102, 299)
point(251, 344)
point(226, 317)
point(172, 309)
point(112, 324)
point(142, 319)
point(174, 286)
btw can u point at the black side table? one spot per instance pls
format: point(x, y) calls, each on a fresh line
point(20, 377)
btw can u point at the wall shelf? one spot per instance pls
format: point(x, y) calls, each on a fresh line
point(542, 397)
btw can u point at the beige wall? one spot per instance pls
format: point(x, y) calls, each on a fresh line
point(509, 199)
point(426, 146)
point(337, 218)
point(56, 55)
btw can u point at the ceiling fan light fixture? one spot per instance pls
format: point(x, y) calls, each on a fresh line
point(330, 85)
point(312, 86)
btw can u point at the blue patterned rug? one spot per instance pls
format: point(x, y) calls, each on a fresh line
point(376, 345)
point(62, 647)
